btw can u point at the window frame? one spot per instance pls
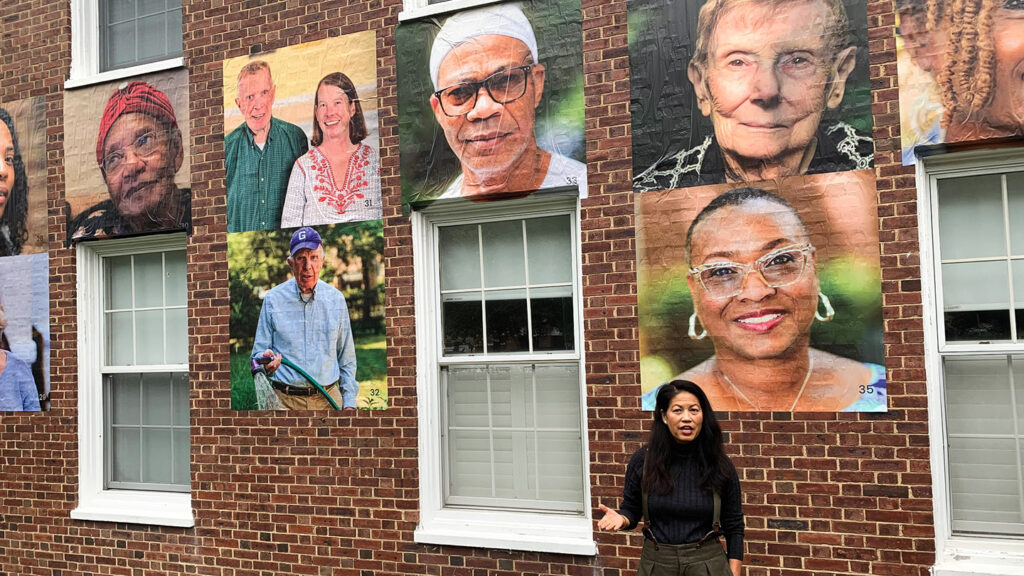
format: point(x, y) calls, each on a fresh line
point(557, 532)
point(95, 502)
point(955, 555)
point(85, 50)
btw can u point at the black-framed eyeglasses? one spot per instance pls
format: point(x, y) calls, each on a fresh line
point(144, 146)
point(777, 268)
point(503, 87)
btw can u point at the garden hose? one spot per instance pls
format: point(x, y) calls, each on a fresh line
point(264, 360)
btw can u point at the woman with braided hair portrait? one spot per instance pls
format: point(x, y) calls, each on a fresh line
point(13, 189)
point(974, 52)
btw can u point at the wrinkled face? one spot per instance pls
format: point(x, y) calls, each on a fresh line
point(140, 160)
point(334, 111)
point(1007, 109)
point(767, 85)
point(491, 136)
point(761, 321)
point(306, 265)
point(6, 166)
point(255, 99)
point(684, 417)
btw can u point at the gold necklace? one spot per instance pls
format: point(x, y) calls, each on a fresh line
point(810, 368)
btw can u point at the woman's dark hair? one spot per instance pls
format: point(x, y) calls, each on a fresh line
point(357, 125)
point(738, 197)
point(713, 465)
point(17, 200)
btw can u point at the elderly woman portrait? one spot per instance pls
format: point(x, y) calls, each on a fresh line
point(754, 280)
point(338, 179)
point(766, 73)
point(13, 189)
point(138, 150)
point(973, 51)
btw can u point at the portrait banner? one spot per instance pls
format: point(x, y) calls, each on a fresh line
point(768, 296)
point(322, 316)
point(126, 157)
point(301, 138)
point(25, 332)
point(490, 102)
point(23, 177)
point(959, 68)
point(729, 91)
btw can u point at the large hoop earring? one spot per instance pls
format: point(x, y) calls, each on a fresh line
point(692, 332)
point(830, 313)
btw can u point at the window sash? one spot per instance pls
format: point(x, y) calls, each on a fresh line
point(172, 27)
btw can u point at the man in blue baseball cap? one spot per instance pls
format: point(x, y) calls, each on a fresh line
point(306, 320)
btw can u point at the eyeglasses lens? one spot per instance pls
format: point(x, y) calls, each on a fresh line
point(503, 87)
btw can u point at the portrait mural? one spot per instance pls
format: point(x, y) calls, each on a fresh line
point(767, 295)
point(747, 90)
point(490, 102)
point(961, 71)
point(307, 318)
point(301, 142)
point(126, 157)
point(25, 333)
point(23, 177)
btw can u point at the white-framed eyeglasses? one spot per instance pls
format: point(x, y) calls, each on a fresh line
point(778, 268)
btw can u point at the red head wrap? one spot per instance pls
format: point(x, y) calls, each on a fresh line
point(135, 97)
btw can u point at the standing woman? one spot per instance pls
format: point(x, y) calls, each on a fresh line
point(338, 180)
point(680, 471)
point(13, 190)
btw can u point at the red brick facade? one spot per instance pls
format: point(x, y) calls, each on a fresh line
point(823, 494)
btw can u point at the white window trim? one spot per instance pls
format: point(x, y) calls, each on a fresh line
point(414, 9)
point(85, 51)
point(955, 555)
point(95, 502)
point(507, 530)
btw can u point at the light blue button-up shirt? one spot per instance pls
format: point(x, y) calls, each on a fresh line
point(315, 335)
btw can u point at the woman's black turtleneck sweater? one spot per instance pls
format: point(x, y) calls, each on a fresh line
point(684, 515)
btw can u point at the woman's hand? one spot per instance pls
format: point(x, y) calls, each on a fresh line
point(611, 520)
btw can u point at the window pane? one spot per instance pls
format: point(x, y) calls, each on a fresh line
point(463, 326)
point(119, 339)
point(147, 7)
point(119, 44)
point(156, 404)
point(179, 388)
point(118, 283)
point(152, 32)
point(506, 321)
point(149, 337)
point(157, 454)
point(459, 253)
point(976, 301)
point(177, 336)
point(468, 404)
point(552, 322)
point(149, 284)
point(182, 448)
point(125, 455)
point(977, 201)
point(978, 399)
point(175, 278)
point(557, 456)
point(985, 485)
point(1015, 196)
point(174, 36)
point(504, 262)
point(558, 396)
point(120, 10)
point(549, 242)
point(469, 464)
point(125, 397)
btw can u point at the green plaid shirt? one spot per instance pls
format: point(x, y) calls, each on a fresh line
point(258, 179)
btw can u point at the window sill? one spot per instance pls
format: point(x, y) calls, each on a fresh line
point(101, 77)
point(137, 507)
point(525, 531)
point(981, 558)
point(413, 13)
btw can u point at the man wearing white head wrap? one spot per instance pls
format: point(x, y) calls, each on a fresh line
point(488, 84)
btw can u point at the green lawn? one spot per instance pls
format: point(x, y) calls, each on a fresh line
point(371, 372)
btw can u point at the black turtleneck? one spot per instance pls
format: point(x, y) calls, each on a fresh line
point(684, 515)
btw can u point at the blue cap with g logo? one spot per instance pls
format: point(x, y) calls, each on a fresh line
point(304, 237)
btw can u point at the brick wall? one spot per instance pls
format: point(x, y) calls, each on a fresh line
point(824, 494)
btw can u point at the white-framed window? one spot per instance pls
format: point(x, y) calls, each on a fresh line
point(502, 428)
point(133, 387)
point(971, 210)
point(112, 39)
point(412, 9)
